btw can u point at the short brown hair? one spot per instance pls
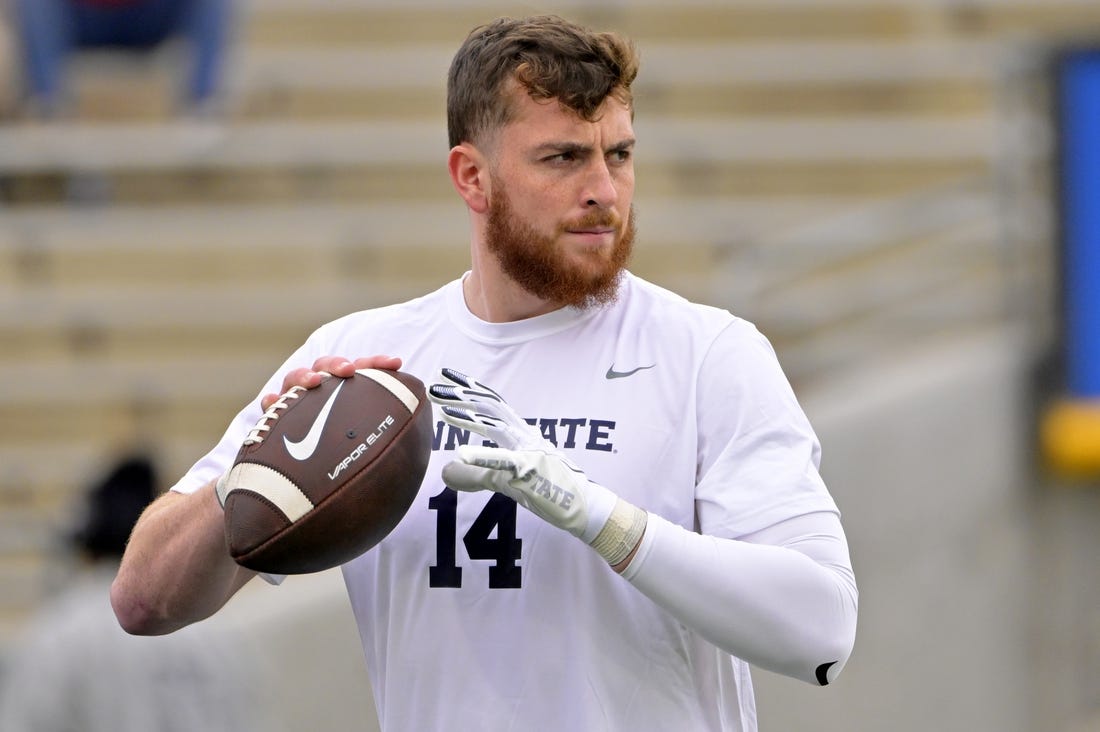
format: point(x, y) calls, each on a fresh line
point(549, 57)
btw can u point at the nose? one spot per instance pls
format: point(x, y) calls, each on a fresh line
point(600, 190)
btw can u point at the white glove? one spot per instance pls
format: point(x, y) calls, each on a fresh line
point(468, 404)
point(531, 470)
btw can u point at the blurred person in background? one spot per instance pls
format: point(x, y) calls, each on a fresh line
point(50, 32)
point(75, 670)
point(8, 60)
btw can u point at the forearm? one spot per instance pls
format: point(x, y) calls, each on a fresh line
point(177, 569)
point(787, 610)
point(783, 598)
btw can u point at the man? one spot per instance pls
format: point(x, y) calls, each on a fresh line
point(70, 663)
point(700, 484)
point(51, 31)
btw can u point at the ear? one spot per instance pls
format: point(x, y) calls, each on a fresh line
point(470, 176)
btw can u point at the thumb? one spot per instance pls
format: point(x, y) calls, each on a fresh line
point(495, 458)
point(464, 477)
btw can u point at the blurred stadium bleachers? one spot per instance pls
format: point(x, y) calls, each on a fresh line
point(856, 177)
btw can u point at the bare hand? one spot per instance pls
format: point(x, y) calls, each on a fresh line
point(310, 378)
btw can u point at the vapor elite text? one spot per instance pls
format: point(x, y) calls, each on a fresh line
point(361, 448)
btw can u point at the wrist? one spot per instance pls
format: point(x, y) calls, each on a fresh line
point(620, 536)
point(621, 566)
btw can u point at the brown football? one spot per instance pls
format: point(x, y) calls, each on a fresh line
point(328, 472)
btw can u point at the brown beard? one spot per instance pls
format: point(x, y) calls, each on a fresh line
point(535, 264)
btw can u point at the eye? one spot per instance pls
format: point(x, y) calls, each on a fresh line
point(561, 158)
point(620, 156)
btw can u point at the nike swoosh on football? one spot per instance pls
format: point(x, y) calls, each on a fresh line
point(303, 449)
point(613, 374)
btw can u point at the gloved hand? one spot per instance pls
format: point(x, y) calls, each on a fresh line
point(470, 405)
point(531, 470)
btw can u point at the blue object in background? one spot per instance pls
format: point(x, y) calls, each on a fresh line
point(1080, 169)
point(50, 31)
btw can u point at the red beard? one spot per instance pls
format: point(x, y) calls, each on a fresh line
point(534, 262)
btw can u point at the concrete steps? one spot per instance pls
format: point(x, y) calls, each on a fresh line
point(823, 167)
point(678, 158)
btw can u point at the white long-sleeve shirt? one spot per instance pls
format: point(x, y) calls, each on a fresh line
point(474, 614)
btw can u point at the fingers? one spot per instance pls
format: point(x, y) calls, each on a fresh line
point(457, 387)
point(462, 477)
point(471, 396)
point(467, 419)
point(480, 469)
point(472, 388)
point(303, 377)
point(344, 368)
point(493, 458)
point(326, 366)
point(468, 404)
point(391, 363)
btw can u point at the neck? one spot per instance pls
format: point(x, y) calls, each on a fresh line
point(495, 298)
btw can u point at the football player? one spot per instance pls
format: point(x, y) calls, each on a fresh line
point(623, 511)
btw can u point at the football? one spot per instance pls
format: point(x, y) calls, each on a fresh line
point(327, 473)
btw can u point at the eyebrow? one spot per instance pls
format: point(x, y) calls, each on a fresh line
point(578, 148)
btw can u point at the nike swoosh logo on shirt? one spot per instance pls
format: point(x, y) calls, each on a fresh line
point(613, 374)
point(303, 449)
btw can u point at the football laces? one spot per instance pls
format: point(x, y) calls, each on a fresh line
point(263, 425)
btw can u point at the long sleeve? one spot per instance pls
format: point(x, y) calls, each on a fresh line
point(783, 598)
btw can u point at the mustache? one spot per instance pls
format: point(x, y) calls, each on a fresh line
point(595, 219)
